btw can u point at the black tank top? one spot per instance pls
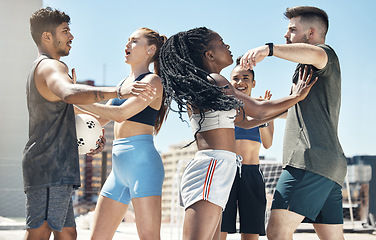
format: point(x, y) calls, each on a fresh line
point(50, 157)
point(146, 116)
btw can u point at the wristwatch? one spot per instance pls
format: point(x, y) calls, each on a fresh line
point(264, 125)
point(270, 49)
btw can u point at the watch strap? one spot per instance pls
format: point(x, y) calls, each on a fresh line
point(271, 46)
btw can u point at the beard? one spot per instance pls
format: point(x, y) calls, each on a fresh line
point(303, 40)
point(62, 52)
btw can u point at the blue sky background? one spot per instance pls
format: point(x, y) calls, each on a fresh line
point(101, 29)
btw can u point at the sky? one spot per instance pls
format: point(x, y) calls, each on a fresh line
point(101, 30)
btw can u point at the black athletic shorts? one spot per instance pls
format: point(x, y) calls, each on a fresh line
point(247, 194)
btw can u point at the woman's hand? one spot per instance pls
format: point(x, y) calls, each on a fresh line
point(304, 84)
point(267, 96)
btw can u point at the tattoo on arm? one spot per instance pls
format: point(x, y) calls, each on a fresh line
point(98, 96)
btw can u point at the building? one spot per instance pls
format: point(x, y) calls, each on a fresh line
point(17, 51)
point(14, 116)
point(93, 171)
point(175, 161)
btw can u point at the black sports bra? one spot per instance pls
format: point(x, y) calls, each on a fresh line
point(146, 116)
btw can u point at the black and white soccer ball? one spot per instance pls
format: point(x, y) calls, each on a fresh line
point(88, 131)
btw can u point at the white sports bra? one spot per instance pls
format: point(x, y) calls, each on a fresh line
point(214, 120)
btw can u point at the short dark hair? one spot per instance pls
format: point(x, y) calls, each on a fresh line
point(46, 20)
point(309, 14)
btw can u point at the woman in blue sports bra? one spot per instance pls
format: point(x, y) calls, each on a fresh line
point(137, 170)
point(247, 196)
point(191, 62)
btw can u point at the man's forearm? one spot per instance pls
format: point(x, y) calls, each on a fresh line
point(302, 53)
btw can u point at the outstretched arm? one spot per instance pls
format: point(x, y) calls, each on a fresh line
point(54, 84)
point(266, 133)
point(296, 52)
point(270, 109)
point(129, 108)
point(249, 122)
point(101, 120)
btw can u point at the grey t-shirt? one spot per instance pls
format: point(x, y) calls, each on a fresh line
point(311, 135)
point(50, 157)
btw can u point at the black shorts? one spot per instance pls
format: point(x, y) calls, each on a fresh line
point(247, 194)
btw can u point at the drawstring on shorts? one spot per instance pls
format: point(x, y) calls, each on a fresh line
point(239, 160)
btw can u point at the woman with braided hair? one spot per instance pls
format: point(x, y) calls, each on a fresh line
point(191, 63)
point(137, 170)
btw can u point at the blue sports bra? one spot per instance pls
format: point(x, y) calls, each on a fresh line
point(252, 134)
point(146, 116)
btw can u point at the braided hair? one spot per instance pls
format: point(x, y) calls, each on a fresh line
point(184, 77)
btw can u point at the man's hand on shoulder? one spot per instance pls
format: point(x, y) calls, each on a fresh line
point(139, 89)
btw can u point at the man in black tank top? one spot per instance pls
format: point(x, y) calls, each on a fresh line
point(50, 159)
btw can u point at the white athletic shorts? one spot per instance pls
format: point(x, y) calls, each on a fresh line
point(209, 177)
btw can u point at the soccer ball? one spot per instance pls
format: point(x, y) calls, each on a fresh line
point(88, 130)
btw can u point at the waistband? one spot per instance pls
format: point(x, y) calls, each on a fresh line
point(217, 154)
point(142, 137)
point(251, 166)
point(221, 154)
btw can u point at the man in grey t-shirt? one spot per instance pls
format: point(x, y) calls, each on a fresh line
point(309, 188)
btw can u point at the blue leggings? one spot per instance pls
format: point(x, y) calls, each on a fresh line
point(137, 170)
